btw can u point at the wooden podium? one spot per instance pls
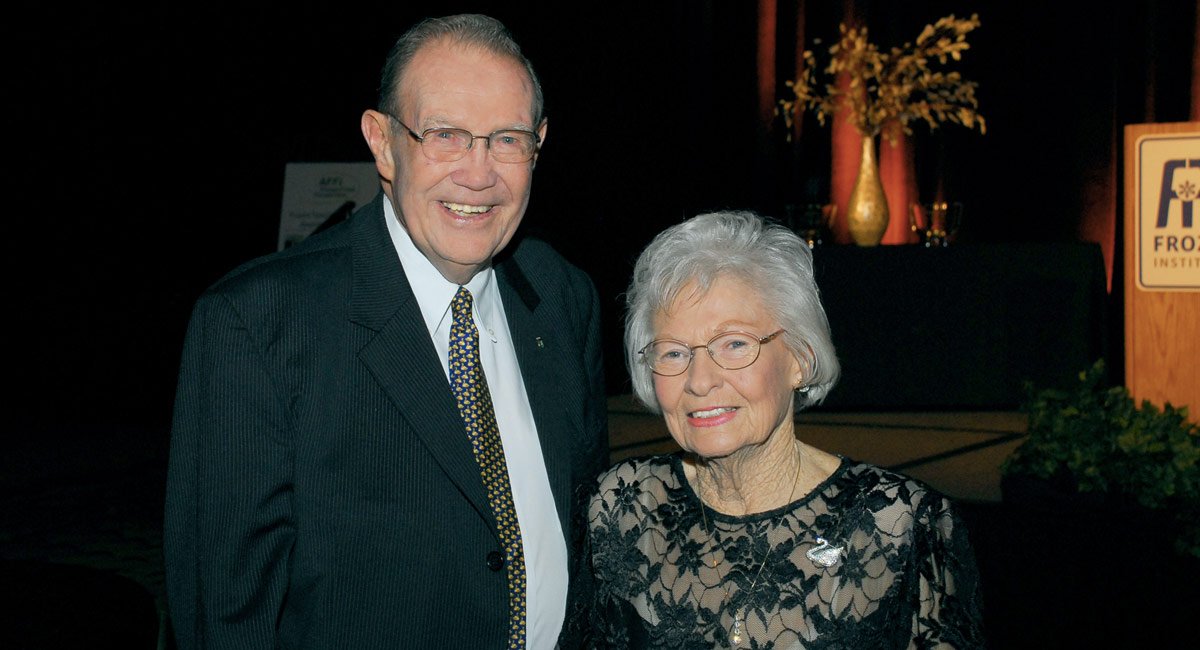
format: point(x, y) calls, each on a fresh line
point(1162, 264)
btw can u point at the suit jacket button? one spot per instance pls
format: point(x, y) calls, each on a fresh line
point(495, 561)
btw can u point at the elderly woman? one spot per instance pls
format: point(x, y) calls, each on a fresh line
point(750, 538)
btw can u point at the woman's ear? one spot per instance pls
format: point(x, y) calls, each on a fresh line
point(805, 368)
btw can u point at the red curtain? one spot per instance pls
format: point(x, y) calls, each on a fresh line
point(766, 63)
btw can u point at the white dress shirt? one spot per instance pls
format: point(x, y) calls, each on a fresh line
point(542, 537)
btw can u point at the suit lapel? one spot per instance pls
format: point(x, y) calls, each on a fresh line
point(403, 360)
point(539, 344)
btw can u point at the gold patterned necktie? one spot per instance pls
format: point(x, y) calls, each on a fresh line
point(475, 405)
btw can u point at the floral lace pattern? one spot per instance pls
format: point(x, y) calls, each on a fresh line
point(905, 579)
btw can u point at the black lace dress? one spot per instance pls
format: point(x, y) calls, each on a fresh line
point(904, 576)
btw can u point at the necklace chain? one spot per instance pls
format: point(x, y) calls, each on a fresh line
point(735, 632)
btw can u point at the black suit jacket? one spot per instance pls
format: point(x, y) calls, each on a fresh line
point(322, 492)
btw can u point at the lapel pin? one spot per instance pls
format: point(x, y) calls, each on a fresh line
point(539, 342)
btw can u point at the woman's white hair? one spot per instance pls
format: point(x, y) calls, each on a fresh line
point(769, 259)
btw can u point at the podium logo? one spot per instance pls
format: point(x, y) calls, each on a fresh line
point(1168, 190)
point(1180, 184)
point(1177, 196)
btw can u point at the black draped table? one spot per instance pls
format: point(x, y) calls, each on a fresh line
point(960, 327)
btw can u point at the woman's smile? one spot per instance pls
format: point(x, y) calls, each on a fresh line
point(712, 417)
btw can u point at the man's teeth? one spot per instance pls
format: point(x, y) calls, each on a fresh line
point(712, 412)
point(462, 208)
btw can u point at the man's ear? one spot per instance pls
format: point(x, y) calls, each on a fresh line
point(541, 131)
point(377, 131)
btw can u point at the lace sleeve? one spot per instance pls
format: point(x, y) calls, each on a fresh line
point(950, 610)
point(611, 618)
point(597, 618)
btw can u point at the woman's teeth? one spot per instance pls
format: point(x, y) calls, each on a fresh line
point(712, 412)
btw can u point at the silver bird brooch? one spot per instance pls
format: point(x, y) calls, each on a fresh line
point(824, 554)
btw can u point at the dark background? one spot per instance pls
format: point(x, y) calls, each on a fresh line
point(147, 149)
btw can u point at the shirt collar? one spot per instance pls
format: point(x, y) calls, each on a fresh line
point(433, 291)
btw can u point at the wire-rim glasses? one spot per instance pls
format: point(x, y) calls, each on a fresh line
point(730, 350)
point(450, 144)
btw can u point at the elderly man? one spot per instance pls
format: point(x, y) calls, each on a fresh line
point(380, 433)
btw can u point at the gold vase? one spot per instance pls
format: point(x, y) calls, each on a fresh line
point(867, 209)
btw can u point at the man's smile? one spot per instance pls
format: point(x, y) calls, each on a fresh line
point(466, 210)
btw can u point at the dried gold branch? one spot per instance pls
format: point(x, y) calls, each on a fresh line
point(888, 90)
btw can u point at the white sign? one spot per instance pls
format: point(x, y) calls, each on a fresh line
point(1167, 251)
point(315, 193)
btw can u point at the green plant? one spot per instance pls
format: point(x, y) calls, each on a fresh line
point(1098, 439)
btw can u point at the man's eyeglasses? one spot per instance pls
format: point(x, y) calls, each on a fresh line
point(730, 350)
point(448, 145)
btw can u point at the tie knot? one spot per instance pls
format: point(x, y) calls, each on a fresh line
point(461, 305)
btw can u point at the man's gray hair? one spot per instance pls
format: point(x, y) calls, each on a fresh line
point(774, 263)
point(474, 30)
